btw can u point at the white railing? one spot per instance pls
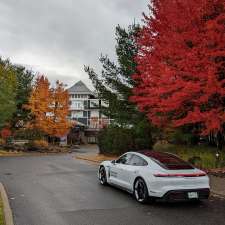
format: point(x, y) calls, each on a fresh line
point(74, 107)
point(99, 123)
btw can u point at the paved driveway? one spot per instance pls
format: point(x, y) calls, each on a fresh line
point(59, 190)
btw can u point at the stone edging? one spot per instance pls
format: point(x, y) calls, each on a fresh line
point(6, 207)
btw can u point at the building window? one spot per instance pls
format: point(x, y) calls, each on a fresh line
point(85, 114)
point(77, 105)
point(94, 103)
point(85, 104)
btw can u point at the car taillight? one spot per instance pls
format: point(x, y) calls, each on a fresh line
point(180, 174)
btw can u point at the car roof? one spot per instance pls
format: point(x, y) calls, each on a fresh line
point(152, 153)
point(164, 159)
point(156, 154)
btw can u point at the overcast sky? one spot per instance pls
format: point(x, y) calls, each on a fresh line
point(59, 37)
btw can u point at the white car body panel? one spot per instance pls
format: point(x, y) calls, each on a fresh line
point(124, 177)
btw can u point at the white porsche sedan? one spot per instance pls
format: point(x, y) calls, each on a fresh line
point(149, 175)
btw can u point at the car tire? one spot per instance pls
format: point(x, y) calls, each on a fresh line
point(141, 191)
point(102, 176)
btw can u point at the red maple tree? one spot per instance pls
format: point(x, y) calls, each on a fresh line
point(181, 64)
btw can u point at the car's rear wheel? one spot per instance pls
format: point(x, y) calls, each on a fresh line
point(102, 176)
point(141, 191)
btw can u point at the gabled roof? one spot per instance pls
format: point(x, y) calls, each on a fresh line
point(80, 87)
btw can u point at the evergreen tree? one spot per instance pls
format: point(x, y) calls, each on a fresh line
point(23, 91)
point(114, 84)
point(8, 85)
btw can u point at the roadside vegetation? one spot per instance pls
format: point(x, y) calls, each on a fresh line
point(202, 156)
point(2, 222)
point(33, 113)
point(170, 78)
point(131, 128)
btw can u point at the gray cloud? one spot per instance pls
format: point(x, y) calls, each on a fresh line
point(57, 37)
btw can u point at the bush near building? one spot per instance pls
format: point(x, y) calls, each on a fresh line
point(117, 140)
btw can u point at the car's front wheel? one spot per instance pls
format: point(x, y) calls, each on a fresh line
point(141, 191)
point(102, 175)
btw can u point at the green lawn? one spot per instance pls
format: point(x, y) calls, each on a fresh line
point(1, 213)
point(201, 156)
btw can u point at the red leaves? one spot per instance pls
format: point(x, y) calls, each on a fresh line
point(181, 61)
point(5, 133)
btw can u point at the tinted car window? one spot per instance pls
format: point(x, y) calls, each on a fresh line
point(137, 161)
point(168, 161)
point(124, 159)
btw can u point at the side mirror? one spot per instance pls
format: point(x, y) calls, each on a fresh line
point(113, 162)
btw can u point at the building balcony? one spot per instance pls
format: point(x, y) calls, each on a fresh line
point(98, 123)
point(74, 107)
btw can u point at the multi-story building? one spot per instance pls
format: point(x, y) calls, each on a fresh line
point(85, 111)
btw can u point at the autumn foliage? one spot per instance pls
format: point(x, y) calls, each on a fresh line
point(5, 133)
point(49, 107)
point(181, 64)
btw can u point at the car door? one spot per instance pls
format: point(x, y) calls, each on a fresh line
point(133, 169)
point(117, 173)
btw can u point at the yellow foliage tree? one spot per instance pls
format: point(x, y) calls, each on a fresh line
point(49, 107)
point(60, 109)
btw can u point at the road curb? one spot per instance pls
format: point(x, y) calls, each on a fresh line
point(6, 207)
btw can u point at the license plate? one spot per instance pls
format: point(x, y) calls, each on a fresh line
point(192, 194)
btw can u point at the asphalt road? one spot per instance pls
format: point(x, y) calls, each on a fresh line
point(59, 190)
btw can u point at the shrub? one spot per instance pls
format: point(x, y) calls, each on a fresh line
point(41, 143)
point(29, 134)
point(181, 137)
point(117, 140)
point(5, 133)
point(143, 135)
point(2, 142)
point(37, 145)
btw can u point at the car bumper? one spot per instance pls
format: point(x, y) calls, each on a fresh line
point(160, 187)
point(182, 195)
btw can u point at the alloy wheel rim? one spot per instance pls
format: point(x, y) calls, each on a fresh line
point(140, 191)
point(102, 176)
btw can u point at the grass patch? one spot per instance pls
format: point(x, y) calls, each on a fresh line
point(10, 153)
point(2, 222)
point(200, 156)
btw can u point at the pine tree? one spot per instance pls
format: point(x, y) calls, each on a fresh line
point(23, 91)
point(114, 84)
